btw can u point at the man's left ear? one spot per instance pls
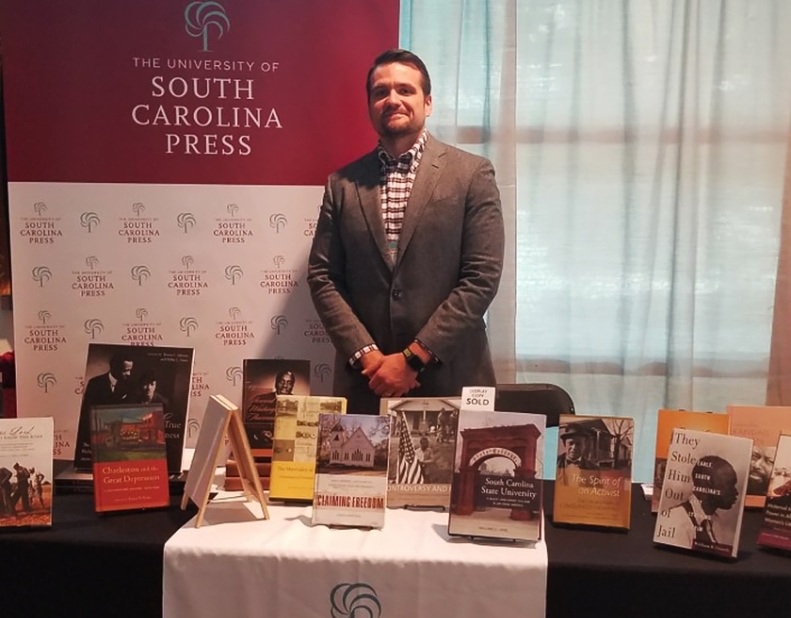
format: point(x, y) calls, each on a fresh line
point(429, 105)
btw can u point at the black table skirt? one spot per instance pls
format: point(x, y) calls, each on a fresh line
point(97, 566)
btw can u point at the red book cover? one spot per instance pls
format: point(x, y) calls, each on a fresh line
point(130, 468)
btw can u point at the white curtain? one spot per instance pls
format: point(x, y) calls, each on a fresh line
point(640, 146)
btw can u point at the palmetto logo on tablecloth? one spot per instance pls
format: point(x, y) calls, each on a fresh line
point(138, 208)
point(140, 273)
point(193, 427)
point(204, 19)
point(41, 274)
point(187, 325)
point(39, 208)
point(354, 601)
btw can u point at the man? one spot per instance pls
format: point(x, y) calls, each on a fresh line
point(6, 508)
point(111, 387)
point(22, 491)
point(407, 253)
point(761, 464)
point(425, 457)
point(573, 468)
point(259, 417)
point(696, 522)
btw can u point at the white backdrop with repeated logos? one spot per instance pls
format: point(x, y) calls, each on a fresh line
point(220, 268)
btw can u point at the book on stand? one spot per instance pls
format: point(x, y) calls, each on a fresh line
point(702, 500)
point(296, 437)
point(775, 528)
point(497, 490)
point(130, 466)
point(593, 479)
point(422, 447)
point(351, 470)
point(126, 374)
point(26, 472)
point(763, 425)
point(668, 420)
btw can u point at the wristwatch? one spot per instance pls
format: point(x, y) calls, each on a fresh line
point(413, 360)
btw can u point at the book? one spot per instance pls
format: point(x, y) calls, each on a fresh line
point(264, 469)
point(296, 436)
point(351, 470)
point(763, 424)
point(497, 490)
point(593, 480)
point(667, 421)
point(130, 465)
point(262, 380)
point(127, 374)
point(422, 447)
point(26, 472)
point(702, 501)
point(775, 530)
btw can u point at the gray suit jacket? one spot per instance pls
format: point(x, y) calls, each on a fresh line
point(450, 256)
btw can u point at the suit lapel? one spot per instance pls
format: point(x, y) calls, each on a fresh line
point(368, 193)
point(428, 173)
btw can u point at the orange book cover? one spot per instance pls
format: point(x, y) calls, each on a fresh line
point(763, 424)
point(593, 482)
point(130, 467)
point(667, 421)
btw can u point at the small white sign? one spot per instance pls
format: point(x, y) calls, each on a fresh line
point(478, 398)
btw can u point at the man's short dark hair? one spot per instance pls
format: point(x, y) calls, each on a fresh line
point(401, 56)
point(118, 359)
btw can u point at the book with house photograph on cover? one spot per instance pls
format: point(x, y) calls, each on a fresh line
point(351, 470)
point(702, 499)
point(593, 479)
point(130, 466)
point(776, 525)
point(497, 490)
point(26, 472)
point(296, 436)
point(422, 447)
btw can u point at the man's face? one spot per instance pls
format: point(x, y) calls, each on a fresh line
point(123, 370)
point(574, 447)
point(724, 483)
point(397, 105)
point(284, 384)
point(760, 468)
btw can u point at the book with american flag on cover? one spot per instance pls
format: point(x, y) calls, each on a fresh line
point(423, 440)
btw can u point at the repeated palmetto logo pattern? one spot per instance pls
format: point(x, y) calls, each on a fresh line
point(206, 19)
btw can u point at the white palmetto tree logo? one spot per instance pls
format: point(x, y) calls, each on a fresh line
point(233, 374)
point(205, 18)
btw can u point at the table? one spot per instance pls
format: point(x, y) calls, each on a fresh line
point(236, 566)
point(96, 566)
point(87, 565)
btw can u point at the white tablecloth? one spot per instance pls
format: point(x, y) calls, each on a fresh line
point(235, 565)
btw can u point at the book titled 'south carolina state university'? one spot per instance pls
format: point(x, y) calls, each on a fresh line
point(776, 525)
point(296, 437)
point(702, 499)
point(593, 478)
point(130, 466)
point(498, 464)
point(351, 470)
point(26, 472)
